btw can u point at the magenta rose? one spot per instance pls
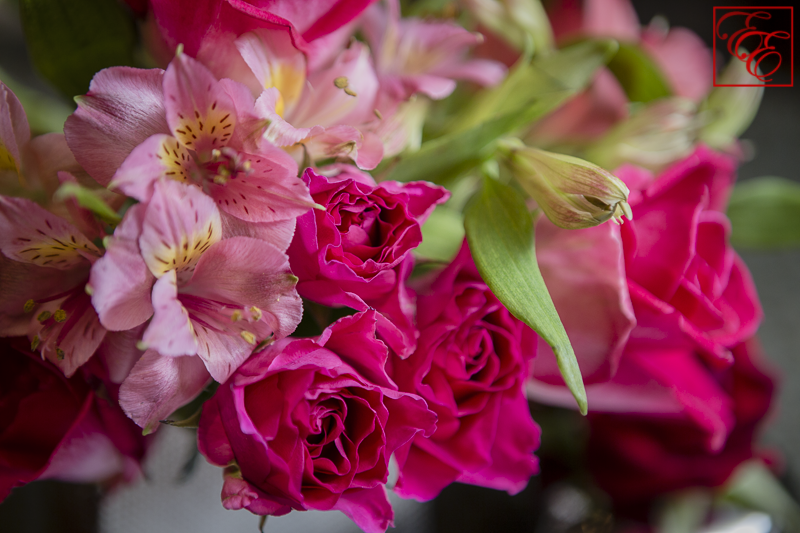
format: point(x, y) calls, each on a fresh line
point(52, 427)
point(470, 366)
point(635, 458)
point(356, 253)
point(670, 271)
point(311, 424)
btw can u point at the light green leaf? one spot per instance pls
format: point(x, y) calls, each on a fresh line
point(753, 485)
point(639, 76)
point(529, 93)
point(70, 40)
point(442, 235)
point(442, 159)
point(684, 512)
point(87, 199)
point(500, 235)
point(765, 213)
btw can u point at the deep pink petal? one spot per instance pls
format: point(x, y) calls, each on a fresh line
point(124, 106)
point(368, 508)
point(158, 385)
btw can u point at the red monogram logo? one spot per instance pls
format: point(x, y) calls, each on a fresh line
point(743, 32)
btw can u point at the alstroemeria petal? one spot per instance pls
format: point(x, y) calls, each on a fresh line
point(171, 331)
point(200, 113)
point(120, 280)
point(160, 156)
point(31, 234)
point(158, 385)
point(14, 130)
point(268, 193)
point(124, 106)
point(249, 272)
point(180, 224)
point(279, 233)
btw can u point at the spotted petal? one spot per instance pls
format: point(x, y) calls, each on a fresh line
point(181, 223)
point(31, 234)
point(200, 113)
point(14, 130)
point(160, 156)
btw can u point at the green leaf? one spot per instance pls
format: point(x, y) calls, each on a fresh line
point(87, 199)
point(639, 76)
point(442, 235)
point(70, 40)
point(753, 485)
point(500, 235)
point(765, 213)
point(529, 93)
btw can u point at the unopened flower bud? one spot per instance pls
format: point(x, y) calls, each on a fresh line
point(573, 193)
point(655, 136)
point(518, 22)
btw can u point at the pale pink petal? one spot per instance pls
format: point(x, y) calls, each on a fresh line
point(328, 105)
point(158, 157)
point(684, 59)
point(200, 113)
point(249, 272)
point(280, 132)
point(171, 332)
point(221, 352)
point(346, 141)
point(31, 234)
point(158, 385)
point(611, 18)
point(120, 280)
point(45, 157)
point(124, 106)
point(119, 353)
point(78, 340)
point(279, 234)
point(180, 224)
point(14, 130)
point(268, 192)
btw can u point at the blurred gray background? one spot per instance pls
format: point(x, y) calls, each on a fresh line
point(164, 503)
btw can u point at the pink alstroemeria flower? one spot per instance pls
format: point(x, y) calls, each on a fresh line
point(208, 297)
point(319, 115)
point(416, 56)
point(42, 276)
point(135, 127)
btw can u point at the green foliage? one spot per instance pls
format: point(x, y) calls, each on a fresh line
point(530, 92)
point(442, 235)
point(87, 199)
point(500, 234)
point(70, 40)
point(765, 213)
point(639, 76)
point(752, 485)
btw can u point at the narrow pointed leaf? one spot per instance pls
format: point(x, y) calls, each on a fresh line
point(500, 235)
point(765, 213)
point(70, 40)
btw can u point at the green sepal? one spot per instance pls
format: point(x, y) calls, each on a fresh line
point(87, 199)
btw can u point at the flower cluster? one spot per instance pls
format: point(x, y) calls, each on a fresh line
point(231, 218)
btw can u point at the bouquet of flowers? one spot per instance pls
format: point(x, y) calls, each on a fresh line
point(363, 246)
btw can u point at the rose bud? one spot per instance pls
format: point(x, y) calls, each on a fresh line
point(573, 193)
